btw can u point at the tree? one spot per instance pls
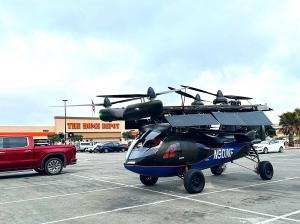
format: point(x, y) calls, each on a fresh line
point(270, 131)
point(77, 138)
point(290, 124)
point(128, 135)
point(54, 138)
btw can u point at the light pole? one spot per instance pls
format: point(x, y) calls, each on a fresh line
point(65, 105)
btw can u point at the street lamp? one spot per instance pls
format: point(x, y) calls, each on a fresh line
point(65, 105)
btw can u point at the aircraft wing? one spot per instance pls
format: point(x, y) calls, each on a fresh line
point(254, 118)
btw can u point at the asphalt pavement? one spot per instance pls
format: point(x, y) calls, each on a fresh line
point(100, 190)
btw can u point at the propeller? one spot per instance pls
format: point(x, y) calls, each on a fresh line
point(105, 104)
point(183, 93)
point(197, 98)
point(219, 94)
point(151, 94)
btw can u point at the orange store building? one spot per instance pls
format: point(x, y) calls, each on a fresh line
point(89, 127)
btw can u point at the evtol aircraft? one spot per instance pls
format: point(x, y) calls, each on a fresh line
point(184, 140)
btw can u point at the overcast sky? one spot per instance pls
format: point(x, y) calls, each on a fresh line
point(75, 50)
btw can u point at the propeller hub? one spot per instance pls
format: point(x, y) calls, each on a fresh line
point(107, 102)
point(151, 93)
point(220, 94)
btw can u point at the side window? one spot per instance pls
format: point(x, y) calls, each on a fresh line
point(1, 143)
point(16, 142)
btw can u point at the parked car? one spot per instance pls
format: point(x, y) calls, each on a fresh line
point(85, 146)
point(269, 146)
point(111, 147)
point(20, 153)
point(94, 148)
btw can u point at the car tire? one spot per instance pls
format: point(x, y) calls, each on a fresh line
point(122, 150)
point(280, 149)
point(53, 166)
point(194, 181)
point(265, 170)
point(39, 171)
point(218, 170)
point(266, 150)
point(148, 180)
point(105, 150)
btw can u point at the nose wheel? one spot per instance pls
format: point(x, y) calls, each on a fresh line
point(194, 181)
point(148, 180)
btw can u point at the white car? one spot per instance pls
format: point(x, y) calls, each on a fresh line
point(93, 149)
point(269, 146)
point(85, 146)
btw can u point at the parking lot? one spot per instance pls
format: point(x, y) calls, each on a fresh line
point(99, 190)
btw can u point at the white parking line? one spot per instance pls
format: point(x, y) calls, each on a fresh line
point(206, 202)
point(110, 211)
point(33, 185)
point(56, 196)
point(76, 193)
point(280, 217)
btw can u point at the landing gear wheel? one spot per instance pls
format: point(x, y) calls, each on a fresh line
point(265, 170)
point(148, 180)
point(53, 166)
point(194, 181)
point(218, 170)
point(39, 171)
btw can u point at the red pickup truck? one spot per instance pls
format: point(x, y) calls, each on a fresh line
point(20, 153)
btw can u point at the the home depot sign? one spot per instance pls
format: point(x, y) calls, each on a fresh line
point(93, 125)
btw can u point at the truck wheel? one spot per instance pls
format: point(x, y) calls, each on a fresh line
point(53, 166)
point(265, 170)
point(194, 181)
point(148, 180)
point(39, 171)
point(218, 170)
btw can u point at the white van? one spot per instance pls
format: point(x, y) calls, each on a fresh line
point(85, 146)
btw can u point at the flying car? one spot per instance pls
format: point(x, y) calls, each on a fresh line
point(184, 140)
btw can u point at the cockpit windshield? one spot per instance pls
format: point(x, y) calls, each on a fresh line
point(146, 145)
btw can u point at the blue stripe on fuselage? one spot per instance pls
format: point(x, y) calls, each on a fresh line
point(220, 156)
point(156, 171)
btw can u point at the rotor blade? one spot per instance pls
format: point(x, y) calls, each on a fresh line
point(183, 93)
point(123, 101)
point(169, 91)
point(123, 95)
point(238, 97)
point(98, 104)
point(199, 90)
point(81, 105)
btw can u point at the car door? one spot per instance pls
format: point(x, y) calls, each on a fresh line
point(273, 146)
point(4, 163)
point(19, 153)
point(276, 145)
point(110, 147)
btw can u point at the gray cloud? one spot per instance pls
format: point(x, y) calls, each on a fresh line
point(52, 50)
